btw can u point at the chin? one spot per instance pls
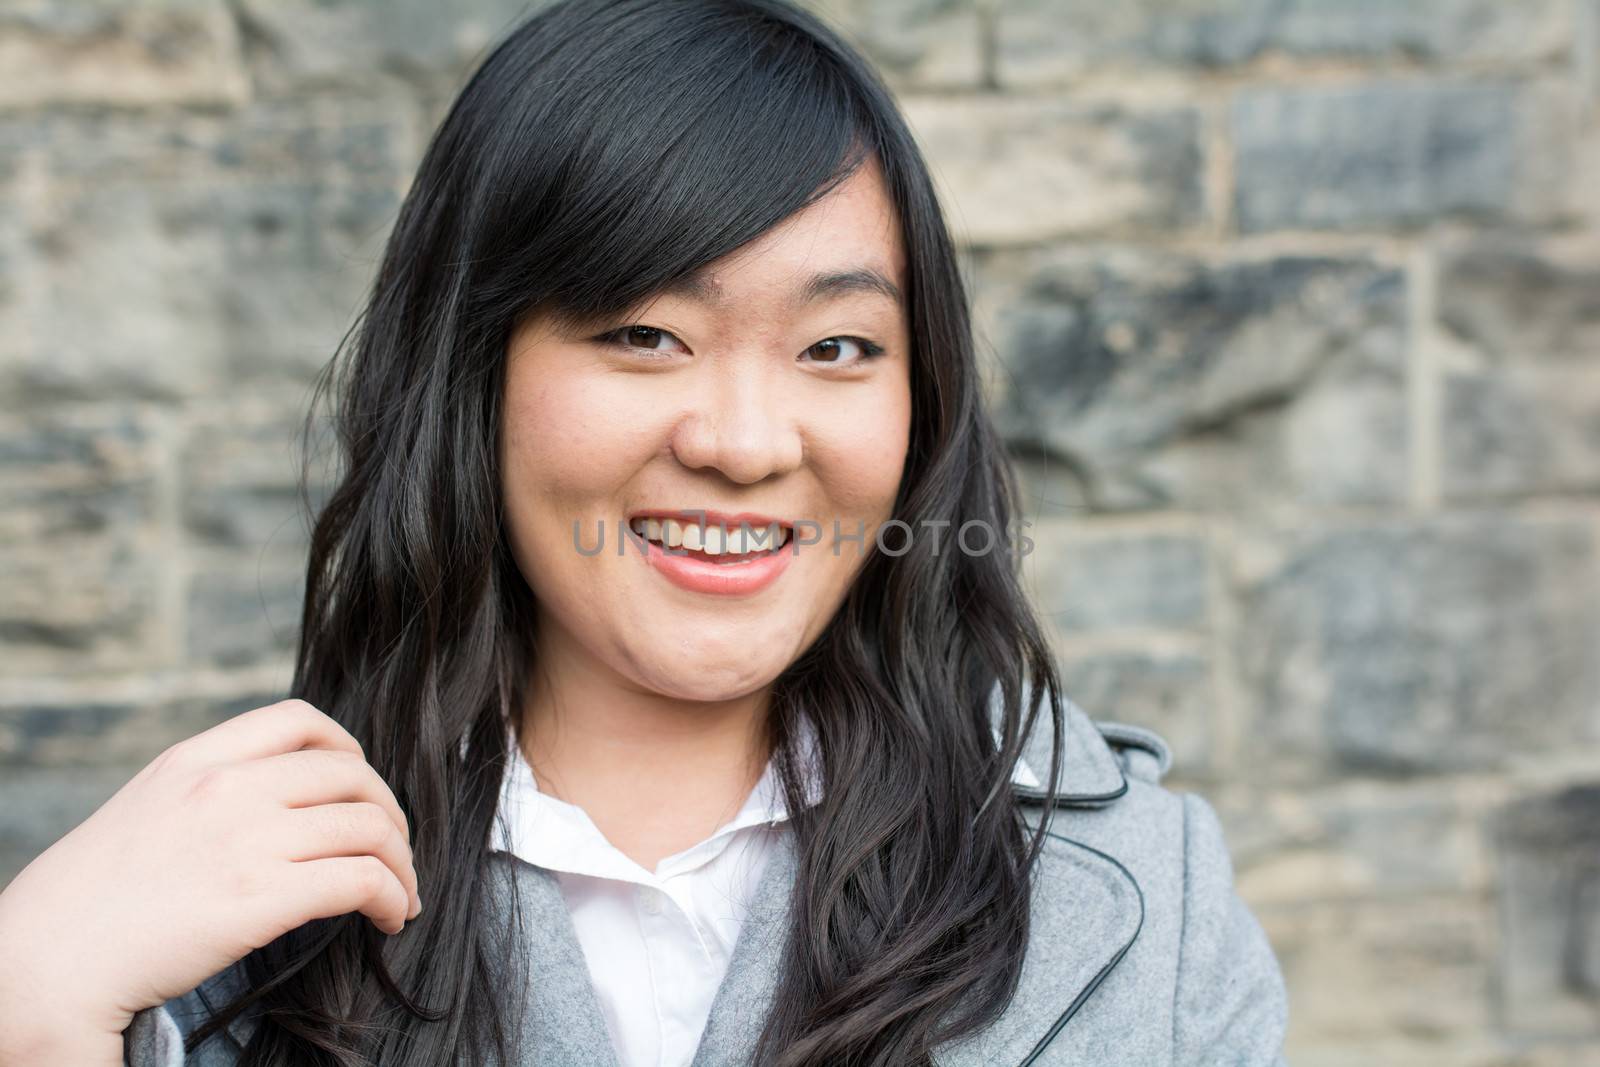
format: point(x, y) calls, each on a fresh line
point(710, 678)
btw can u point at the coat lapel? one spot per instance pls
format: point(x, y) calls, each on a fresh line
point(562, 1021)
point(739, 1010)
point(1087, 910)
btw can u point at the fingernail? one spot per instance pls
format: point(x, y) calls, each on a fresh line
point(416, 909)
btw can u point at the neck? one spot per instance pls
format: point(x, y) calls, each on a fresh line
point(655, 773)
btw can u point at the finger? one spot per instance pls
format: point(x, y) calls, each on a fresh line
point(361, 829)
point(339, 885)
point(286, 726)
point(317, 776)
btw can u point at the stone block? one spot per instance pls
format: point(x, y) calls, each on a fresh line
point(1516, 299)
point(1165, 691)
point(1520, 431)
point(1091, 582)
point(1129, 379)
point(1520, 380)
point(300, 45)
point(79, 517)
point(245, 614)
point(241, 468)
point(1017, 170)
point(915, 44)
point(180, 254)
point(1362, 972)
point(1051, 42)
point(101, 53)
point(1549, 848)
point(1460, 642)
point(1388, 154)
point(116, 730)
point(1356, 839)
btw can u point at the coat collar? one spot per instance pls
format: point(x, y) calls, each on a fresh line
point(1087, 910)
point(1090, 774)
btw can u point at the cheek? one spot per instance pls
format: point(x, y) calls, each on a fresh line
point(566, 440)
point(858, 449)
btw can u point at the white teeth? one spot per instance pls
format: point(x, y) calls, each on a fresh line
point(712, 540)
point(753, 539)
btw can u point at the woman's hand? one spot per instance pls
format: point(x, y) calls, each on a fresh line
point(226, 841)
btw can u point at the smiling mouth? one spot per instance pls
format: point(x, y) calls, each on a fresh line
point(739, 544)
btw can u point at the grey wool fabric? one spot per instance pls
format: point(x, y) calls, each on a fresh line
point(1140, 952)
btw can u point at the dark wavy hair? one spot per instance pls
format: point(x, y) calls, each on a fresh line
point(603, 149)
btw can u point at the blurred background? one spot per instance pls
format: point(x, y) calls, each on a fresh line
point(1290, 312)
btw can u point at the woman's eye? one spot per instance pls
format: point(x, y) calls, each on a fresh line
point(836, 349)
point(832, 350)
point(645, 337)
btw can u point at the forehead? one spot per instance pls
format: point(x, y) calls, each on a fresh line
point(847, 243)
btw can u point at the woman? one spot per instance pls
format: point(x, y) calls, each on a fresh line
point(668, 606)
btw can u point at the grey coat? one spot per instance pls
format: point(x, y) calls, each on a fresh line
point(1140, 953)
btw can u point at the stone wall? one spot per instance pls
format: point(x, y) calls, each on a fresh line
point(1289, 311)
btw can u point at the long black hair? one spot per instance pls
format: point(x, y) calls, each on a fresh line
point(601, 150)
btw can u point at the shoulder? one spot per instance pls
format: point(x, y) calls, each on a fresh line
point(1136, 888)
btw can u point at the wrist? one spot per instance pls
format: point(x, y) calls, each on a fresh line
point(41, 1047)
point(38, 1029)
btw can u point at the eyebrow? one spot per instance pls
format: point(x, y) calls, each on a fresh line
point(827, 285)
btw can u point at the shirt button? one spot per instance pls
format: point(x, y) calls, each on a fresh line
point(650, 900)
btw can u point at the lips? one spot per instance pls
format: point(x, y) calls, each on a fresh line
point(712, 569)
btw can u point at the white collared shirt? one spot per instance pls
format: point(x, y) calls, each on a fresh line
point(657, 943)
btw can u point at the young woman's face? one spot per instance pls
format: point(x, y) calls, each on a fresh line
point(758, 395)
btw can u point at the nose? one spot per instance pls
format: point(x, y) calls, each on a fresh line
point(740, 425)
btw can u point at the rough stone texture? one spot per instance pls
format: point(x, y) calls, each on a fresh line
point(1132, 379)
point(103, 53)
point(1016, 171)
point(242, 616)
point(1288, 312)
point(300, 45)
point(1521, 390)
point(1166, 691)
point(1116, 582)
point(1405, 647)
point(81, 571)
point(241, 469)
point(1369, 975)
point(1041, 42)
point(1550, 855)
point(1517, 299)
point(217, 250)
point(916, 44)
point(1359, 838)
point(128, 731)
point(1400, 153)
